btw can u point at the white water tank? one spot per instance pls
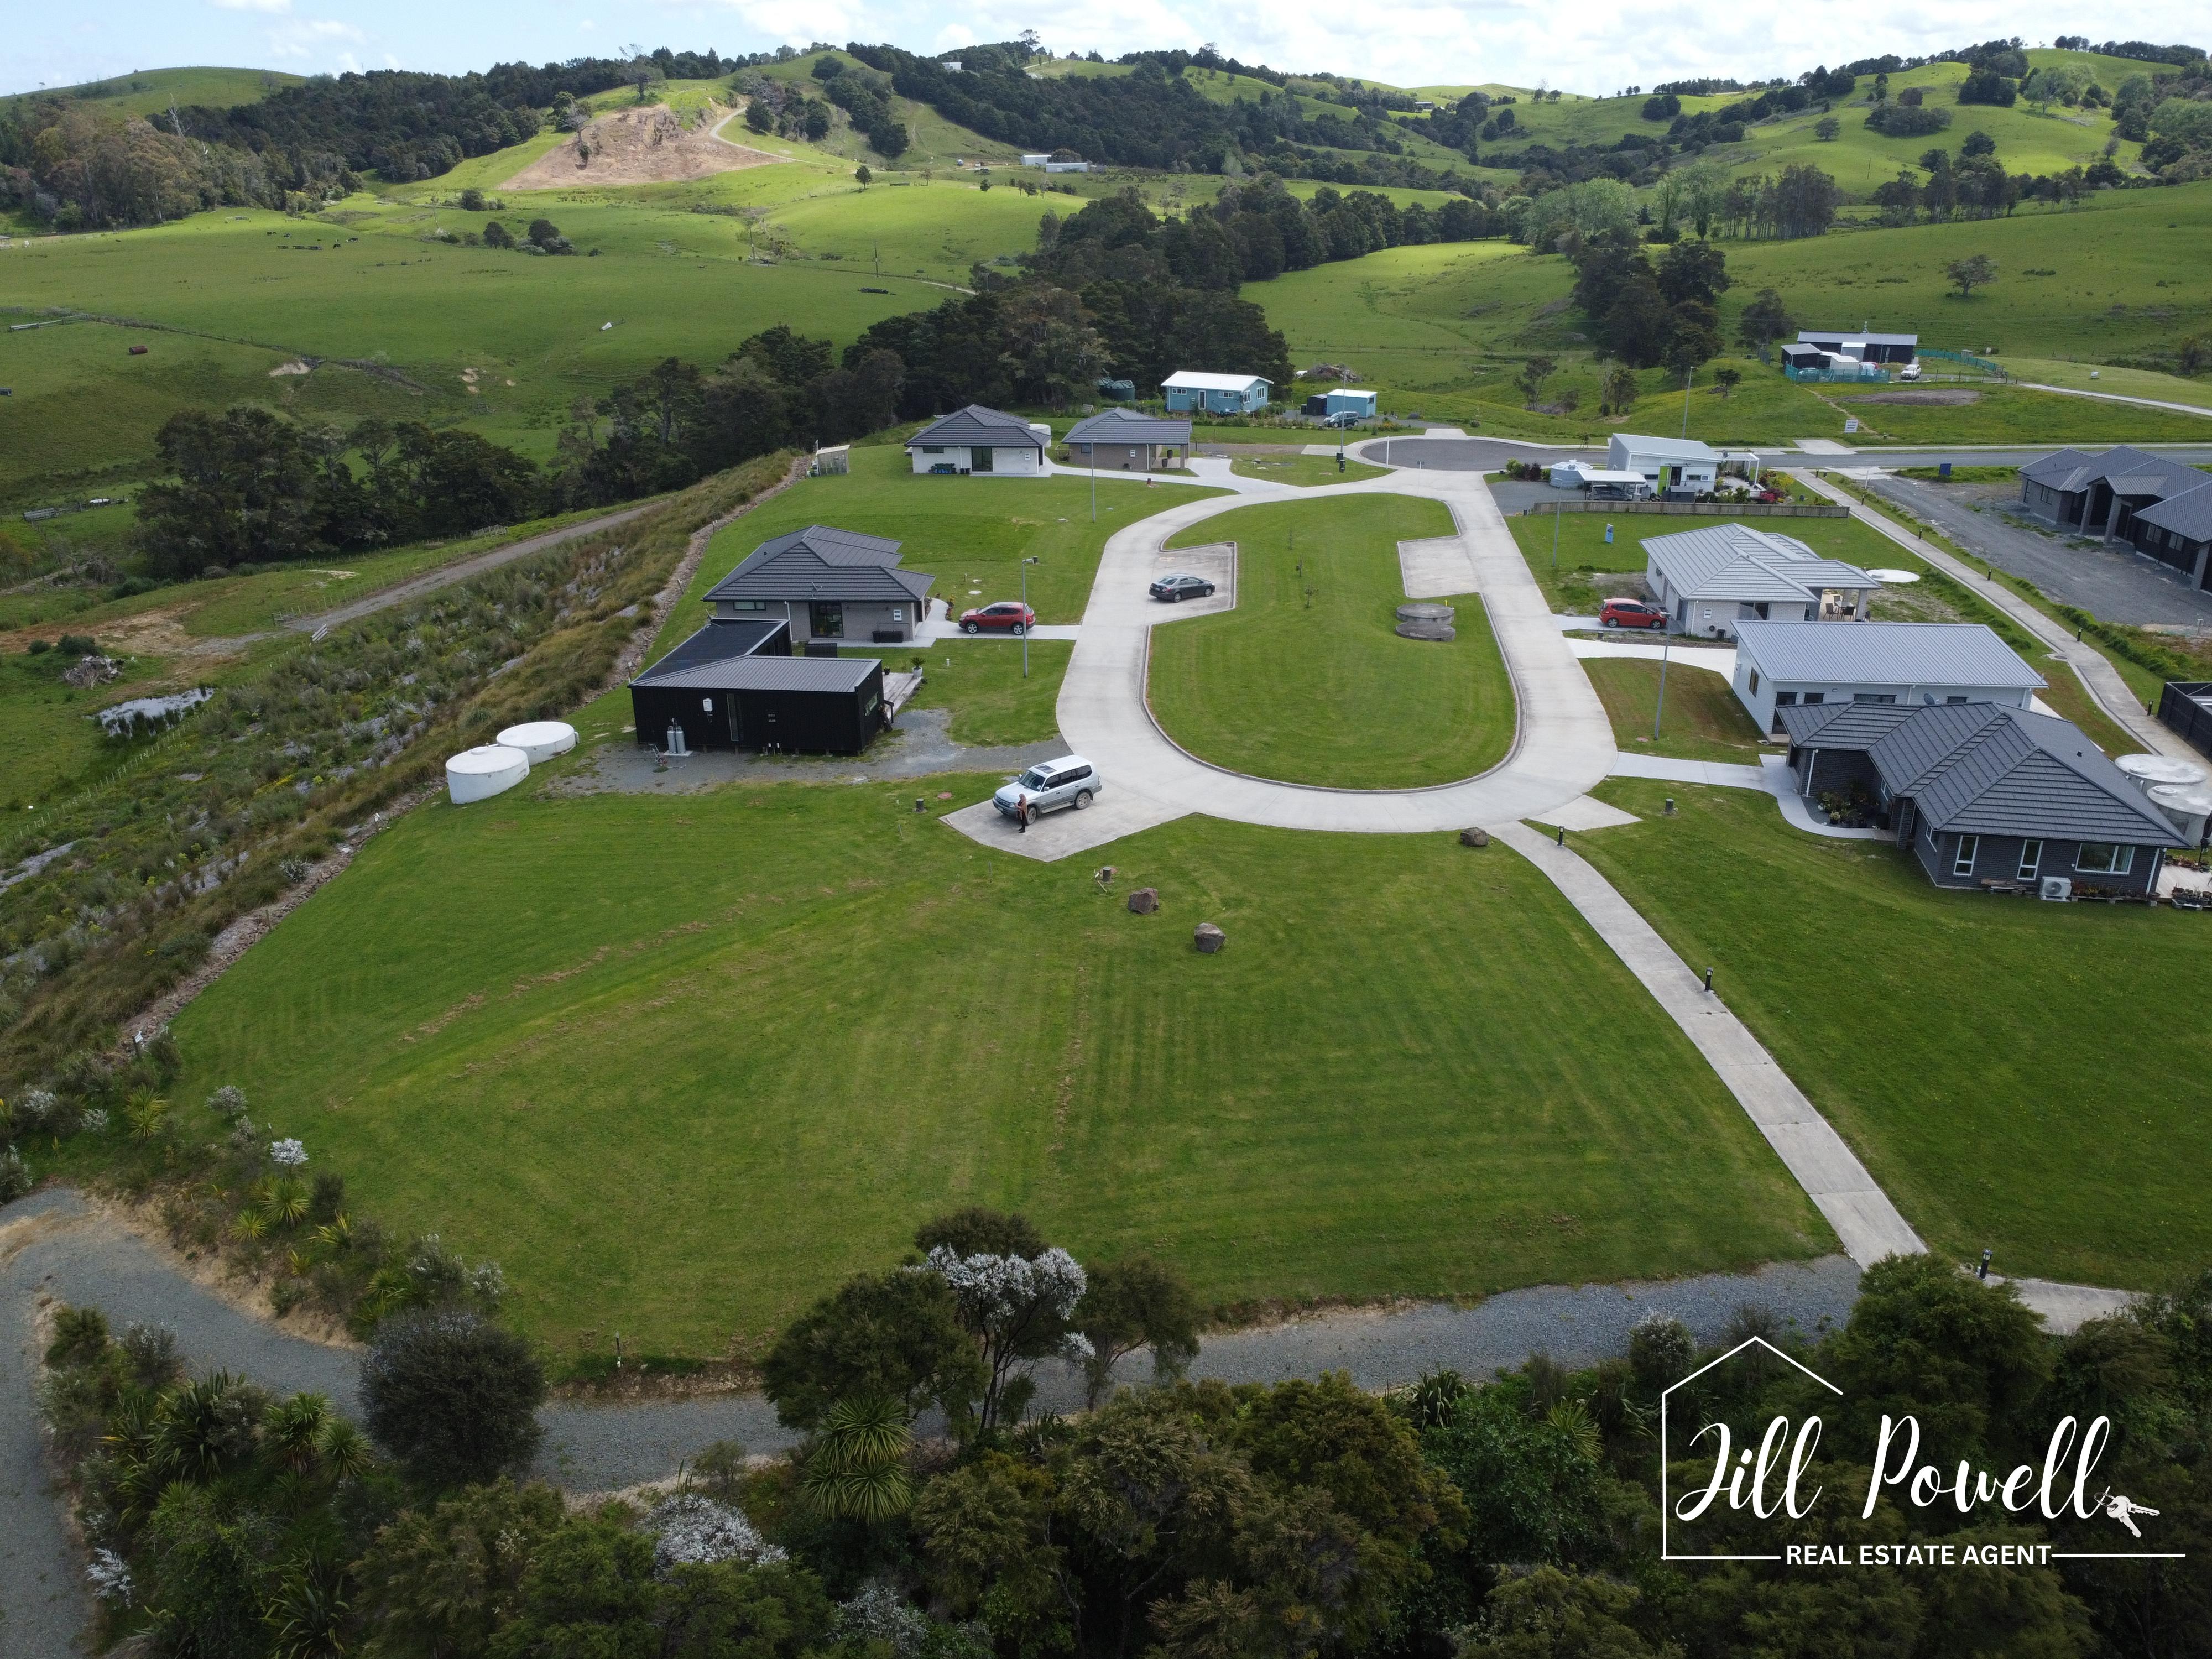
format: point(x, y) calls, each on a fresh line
point(540, 739)
point(2188, 807)
point(487, 769)
point(2146, 770)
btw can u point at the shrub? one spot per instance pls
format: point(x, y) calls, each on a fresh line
point(452, 1395)
point(14, 1177)
point(1659, 1351)
point(76, 645)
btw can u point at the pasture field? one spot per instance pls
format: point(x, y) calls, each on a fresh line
point(1961, 1044)
point(1305, 681)
point(1703, 721)
point(1412, 1072)
point(2118, 382)
point(150, 92)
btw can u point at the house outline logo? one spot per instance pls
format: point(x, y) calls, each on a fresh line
point(2109, 1505)
point(1666, 1505)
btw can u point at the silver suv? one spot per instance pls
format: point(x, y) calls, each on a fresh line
point(1071, 781)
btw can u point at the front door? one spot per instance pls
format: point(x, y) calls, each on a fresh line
point(979, 460)
point(737, 721)
point(826, 619)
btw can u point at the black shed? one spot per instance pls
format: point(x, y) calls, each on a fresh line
point(736, 685)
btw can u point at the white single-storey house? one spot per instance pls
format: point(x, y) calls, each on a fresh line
point(1711, 581)
point(1784, 665)
point(1188, 390)
point(1037, 160)
point(1672, 466)
point(980, 440)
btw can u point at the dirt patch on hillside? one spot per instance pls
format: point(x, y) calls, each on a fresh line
point(649, 146)
point(1941, 397)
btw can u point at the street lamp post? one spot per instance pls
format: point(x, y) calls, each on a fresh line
point(1666, 644)
point(1026, 563)
point(1559, 513)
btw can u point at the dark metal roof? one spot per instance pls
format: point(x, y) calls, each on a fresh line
point(718, 642)
point(819, 563)
point(2188, 515)
point(1818, 336)
point(1127, 426)
point(2128, 472)
point(767, 674)
point(976, 426)
point(1984, 769)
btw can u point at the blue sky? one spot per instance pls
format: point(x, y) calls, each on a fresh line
point(1408, 42)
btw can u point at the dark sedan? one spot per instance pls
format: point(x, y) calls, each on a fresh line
point(1178, 588)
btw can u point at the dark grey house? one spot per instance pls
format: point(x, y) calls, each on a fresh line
point(2157, 506)
point(735, 685)
point(827, 583)
point(1862, 346)
point(1984, 794)
point(1129, 441)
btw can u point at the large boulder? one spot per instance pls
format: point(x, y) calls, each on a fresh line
point(1208, 938)
point(1474, 837)
point(1144, 901)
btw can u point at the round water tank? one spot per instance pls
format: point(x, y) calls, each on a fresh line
point(540, 739)
point(2189, 807)
point(487, 769)
point(2145, 770)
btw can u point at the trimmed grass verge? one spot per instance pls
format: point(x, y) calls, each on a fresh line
point(1704, 721)
point(1305, 681)
point(1304, 471)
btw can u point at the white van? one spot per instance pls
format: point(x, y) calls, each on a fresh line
point(1911, 371)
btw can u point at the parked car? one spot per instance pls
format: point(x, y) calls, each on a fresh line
point(1182, 585)
point(1071, 781)
point(1008, 616)
point(1630, 613)
point(1911, 371)
point(1342, 418)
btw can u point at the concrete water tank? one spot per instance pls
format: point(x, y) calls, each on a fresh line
point(2187, 807)
point(2146, 770)
point(540, 739)
point(487, 769)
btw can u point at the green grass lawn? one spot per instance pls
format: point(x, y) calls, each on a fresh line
point(1304, 471)
point(1966, 1046)
point(1305, 681)
point(981, 681)
point(1703, 721)
point(682, 1064)
point(2118, 382)
point(2013, 415)
point(971, 533)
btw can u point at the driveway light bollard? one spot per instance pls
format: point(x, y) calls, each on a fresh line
point(1709, 982)
point(1563, 835)
point(1983, 1271)
point(917, 804)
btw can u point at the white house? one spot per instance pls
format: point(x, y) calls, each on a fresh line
point(1036, 160)
point(1710, 580)
point(980, 440)
point(1783, 665)
point(1581, 475)
point(1672, 466)
point(1188, 390)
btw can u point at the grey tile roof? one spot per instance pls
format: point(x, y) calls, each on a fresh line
point(2063, 470)
point(976, 426)
point(718, 642)
point(1884, 654)
point(819, 563)
point(1127, 426)
point(1984, 769)
point(1736, 562)
point(767, 674)
point(2128, 472)
point(2188, 515)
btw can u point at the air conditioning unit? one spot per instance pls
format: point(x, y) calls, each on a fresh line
point(2056, 888)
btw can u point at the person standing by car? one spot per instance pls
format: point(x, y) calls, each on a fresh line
point(1022, 815)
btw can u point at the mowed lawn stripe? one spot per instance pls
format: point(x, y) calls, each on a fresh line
point(682, 1064)
point(1306, 680)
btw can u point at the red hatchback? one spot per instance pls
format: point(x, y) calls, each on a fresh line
point(1008, 616)
point(1632, 613)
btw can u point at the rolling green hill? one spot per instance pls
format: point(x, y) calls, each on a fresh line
point(148, 92)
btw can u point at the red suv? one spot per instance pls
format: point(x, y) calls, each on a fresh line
point(1630, 613)
point(1007, 615)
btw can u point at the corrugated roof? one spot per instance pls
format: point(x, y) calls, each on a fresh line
point(821, 563)
point(1931, 655)
point(976, 426)
point(1130, 426)
point(1736, 562)
point(2188, 515)
point(1676, 449)
point(1819, 336)
point(1192, 379)
point(719, 641)
point(1984, 768)
point(767, 674)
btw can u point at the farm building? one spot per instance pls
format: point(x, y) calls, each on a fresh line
point(1188, 390)
point(1711, 581)
point(736, 685)
point(1864, 347)
point(1983, 793)
point(1817, 362)
point(1129, 441)
point(1781, 665)
point(980, 440)
point(825, 584)
point(1680, 467)
point(2161, 507)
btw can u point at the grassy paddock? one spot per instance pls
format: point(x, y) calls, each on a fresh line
point(1305, 681)
point(2010, 1070)
point(678, 1092)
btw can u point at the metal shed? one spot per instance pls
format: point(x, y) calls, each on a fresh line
point(723, 693)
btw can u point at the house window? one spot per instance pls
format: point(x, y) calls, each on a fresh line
point(1783, 699)
point(2031, 855)
point(1874, 697)
point(1963, 864)
point(979, 460)
point(1755, 682)
point(746, 605)
point(1812, 697)
point(1949, 702)
point(932, 449)
point(2099, 857)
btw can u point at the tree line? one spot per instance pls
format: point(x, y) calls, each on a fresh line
point(929, 1511)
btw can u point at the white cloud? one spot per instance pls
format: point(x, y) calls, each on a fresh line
point(309, 37)
point(272, 6)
